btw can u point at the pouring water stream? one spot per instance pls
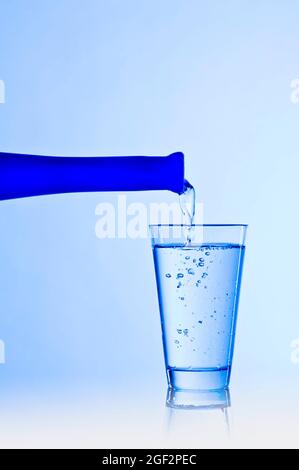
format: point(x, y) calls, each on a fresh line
point(187, 204)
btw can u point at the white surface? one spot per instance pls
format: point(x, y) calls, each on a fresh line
point(72, 417)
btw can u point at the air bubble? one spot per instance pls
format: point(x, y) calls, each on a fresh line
point(204, 275)
point(186, 331)
point(179, 276)
point(168, 275)
point(190, 271)
point(187, 257)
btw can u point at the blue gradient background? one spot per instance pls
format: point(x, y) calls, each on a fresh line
point(125, 77)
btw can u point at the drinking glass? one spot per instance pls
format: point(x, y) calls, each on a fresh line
point(198, 274)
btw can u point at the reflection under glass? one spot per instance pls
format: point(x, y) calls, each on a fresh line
point(205, 413)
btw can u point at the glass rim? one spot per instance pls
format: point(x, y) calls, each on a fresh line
point(198, 225)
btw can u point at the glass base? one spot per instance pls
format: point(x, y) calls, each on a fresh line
point(198, 379)
point(197, 399)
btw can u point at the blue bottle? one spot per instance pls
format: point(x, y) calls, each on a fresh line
point(35, 175)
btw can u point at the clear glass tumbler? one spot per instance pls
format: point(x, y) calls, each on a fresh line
point(198, 273)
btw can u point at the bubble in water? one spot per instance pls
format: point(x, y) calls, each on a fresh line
point(197, 283)
point(207, 253)
point(179, 285)
point(190, 271)
point(187, 257)
point(179, 331)
point(168, 275)
point(179, 276)
point(204, 275)
point(176, 341)
point(182, 298)
point(186, 331)
point(200, 321)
